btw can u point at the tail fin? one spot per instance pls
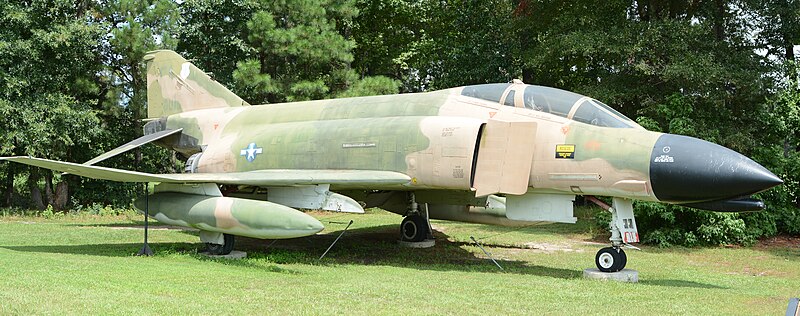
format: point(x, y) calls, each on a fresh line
point(174, 85)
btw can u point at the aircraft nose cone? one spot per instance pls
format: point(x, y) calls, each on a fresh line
point(687, 169)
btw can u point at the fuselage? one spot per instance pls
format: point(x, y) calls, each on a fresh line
point(435, 138)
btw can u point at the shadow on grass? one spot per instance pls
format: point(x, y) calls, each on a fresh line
point(135, 224)
point(375, 245)
point(130, 249)
point(538, 228)
point(108, 250)
point(378, 245)
point(681, 283)
point(139, 225)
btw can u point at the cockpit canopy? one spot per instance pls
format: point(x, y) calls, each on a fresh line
point(551, 100)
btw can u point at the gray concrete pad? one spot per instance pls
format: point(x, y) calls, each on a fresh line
point(626, 275)
point(427, 243)
point(234, 255)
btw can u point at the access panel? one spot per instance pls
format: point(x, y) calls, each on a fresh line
point(505, 158)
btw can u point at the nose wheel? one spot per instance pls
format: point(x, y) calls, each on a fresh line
point(611, 259)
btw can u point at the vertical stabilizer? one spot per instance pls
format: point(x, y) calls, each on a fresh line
point(174, 85)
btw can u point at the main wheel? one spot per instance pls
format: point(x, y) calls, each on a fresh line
point(414, 228)
point(221, 250)
point(610, 259)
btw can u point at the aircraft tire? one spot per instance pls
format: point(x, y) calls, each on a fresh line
point(610, 260)
point(414, 228)
point(221, 250)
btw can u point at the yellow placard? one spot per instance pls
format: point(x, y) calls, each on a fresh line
point(565, 151)
point(565, 148)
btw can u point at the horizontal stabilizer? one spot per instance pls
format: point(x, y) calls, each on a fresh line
point(270, 177)
point(133, 144)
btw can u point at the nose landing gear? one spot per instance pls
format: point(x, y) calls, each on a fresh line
point(623, 232)
point(611, 259)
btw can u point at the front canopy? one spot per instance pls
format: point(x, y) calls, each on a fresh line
point(554, 101)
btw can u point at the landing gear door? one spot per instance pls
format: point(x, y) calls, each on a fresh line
point(505, 156)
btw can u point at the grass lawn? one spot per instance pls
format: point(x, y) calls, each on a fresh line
point(79, 264)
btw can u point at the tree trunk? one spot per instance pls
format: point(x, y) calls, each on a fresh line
point(61, 196)
point(9, 185)
point(33, 186)
point(48, 187)
point(719, 20)
point(36, 198)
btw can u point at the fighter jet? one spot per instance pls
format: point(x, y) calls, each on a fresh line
point(502, 154)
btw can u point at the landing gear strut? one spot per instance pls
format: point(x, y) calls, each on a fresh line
point(623, 232)
point(416, 226)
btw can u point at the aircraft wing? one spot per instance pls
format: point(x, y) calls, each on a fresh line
point(133, 144)
point(271, 177)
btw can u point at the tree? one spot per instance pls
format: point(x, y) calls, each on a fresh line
point(464, 42)
point(133, 29)
point(296, 52)
point(213, 34)
point(269, 52)
point(385, 35)
point(48, 60)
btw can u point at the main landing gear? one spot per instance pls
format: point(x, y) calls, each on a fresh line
point(415, 229)
point(623, 232)
point(217, 244)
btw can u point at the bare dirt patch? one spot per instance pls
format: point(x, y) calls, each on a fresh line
point(780, 242)
point(550, 248)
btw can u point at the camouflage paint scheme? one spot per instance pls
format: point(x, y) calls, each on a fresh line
point(453, 150)
point(430, 137)
point(231, 215)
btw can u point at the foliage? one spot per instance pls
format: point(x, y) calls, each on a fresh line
point(464, 42)
point(295, 51)
point(213, 34)
point(377, 85)
point(667, 225)
point(278, 51)
point(383, 32)
point(134, 28)
point(47, 89)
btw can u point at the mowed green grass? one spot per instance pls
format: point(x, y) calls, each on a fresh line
point(80, 264)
